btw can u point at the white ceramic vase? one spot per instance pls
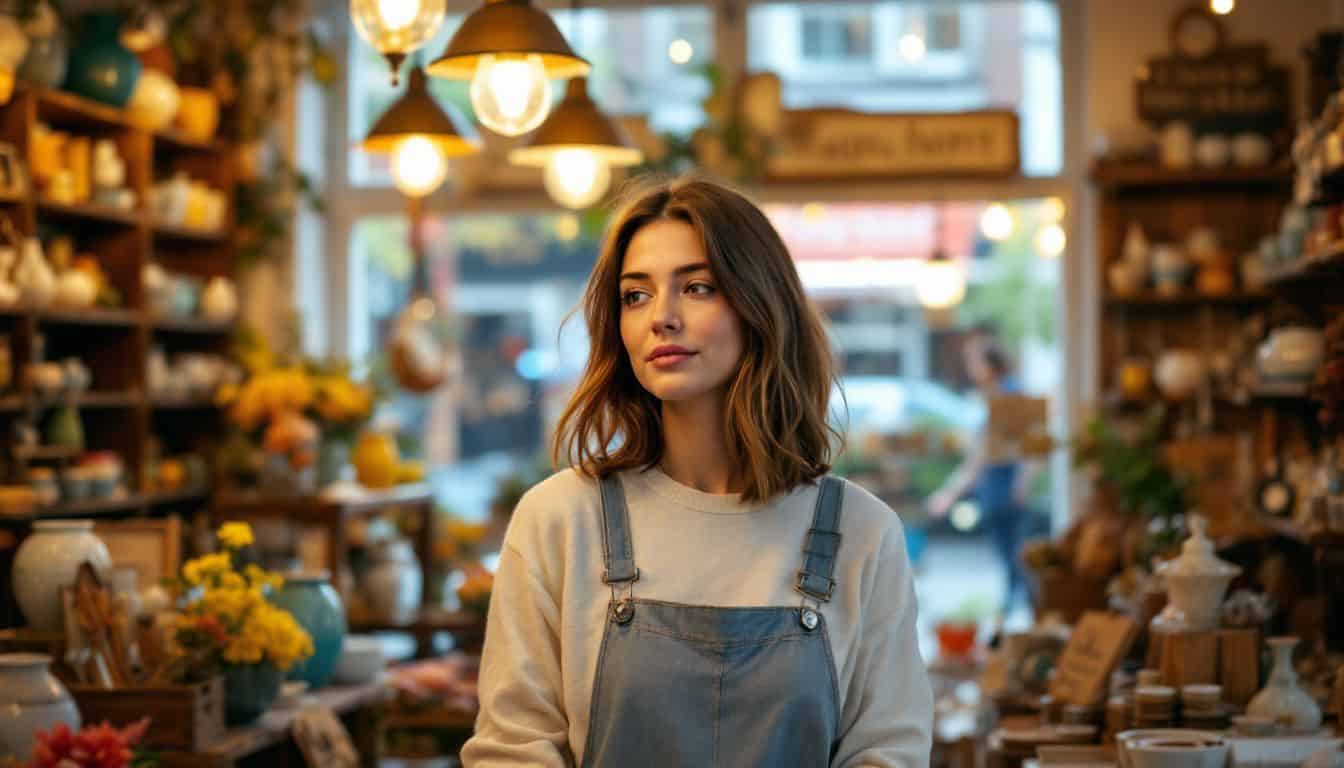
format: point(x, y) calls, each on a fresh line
point(49, 560)
point(31, 700)
point(1195, 583)
point(1281, 699)
point(394, 584)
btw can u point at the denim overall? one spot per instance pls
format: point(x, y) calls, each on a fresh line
point(688, 685)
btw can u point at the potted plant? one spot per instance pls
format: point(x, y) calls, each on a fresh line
point(229, 625)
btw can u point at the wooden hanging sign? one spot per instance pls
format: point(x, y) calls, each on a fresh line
point(1210, 84)
point(1094, 649)
point(839, 144)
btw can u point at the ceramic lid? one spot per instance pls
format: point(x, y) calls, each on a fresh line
point(1197, 556)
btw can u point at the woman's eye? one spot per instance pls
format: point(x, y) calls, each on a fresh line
point(702, 289)
point(631, 297)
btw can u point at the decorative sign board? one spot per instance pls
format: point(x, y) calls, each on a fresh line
point(1211, 85)
point(841, 144)
point(1097, 644)
point(1018, 428)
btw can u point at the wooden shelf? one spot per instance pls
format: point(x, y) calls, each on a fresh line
point(1138, 176)
point(458, 621)
point(62, 107)
point(192, 325)
point(103, 399)
point(45, 453)
point(12, 197)
point(93, 507)
point(89, 212)
point(126, 318)
point(1326, 263)
point(197, 234)
point(1189, 299)
point(182, 403)
point(167, 137)
point(166, 498)
point(1278, 391)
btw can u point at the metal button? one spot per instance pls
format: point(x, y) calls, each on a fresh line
point(623, 611)
point(809, 619)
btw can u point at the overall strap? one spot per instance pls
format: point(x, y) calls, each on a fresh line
point(823, 541)
point(616, 546)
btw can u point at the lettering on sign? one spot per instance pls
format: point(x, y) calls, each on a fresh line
point(1094, 649)
point(840, 144)
point(1211, 85)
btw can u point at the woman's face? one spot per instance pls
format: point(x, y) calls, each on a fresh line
point(683, 339)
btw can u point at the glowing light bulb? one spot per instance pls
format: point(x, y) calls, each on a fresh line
point(912, 46)
point(1050, 240)
point(567, 227)
point(941, 283)
point(511, 96)
point(577, 178)
point(996, 222)
point(1222, 7)
point(397, 27)
point(418, 166)
point(680, 51)
point(1053, 210)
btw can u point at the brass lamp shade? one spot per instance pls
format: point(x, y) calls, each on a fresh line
point(417, 114)
point(508, 27)
point(577, 123)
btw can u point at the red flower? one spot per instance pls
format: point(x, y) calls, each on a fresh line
point(96, 746)
point(212, 626)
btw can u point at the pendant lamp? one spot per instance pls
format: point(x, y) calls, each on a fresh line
point(577, 146)
point(396, 28)
point(420, 137)
point(510, 51)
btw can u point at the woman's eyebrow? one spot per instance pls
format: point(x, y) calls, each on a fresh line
point(682, 270)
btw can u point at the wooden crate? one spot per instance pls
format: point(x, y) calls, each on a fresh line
point(187, 717)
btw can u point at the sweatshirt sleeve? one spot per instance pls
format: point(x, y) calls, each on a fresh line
point(522, 719)
point(888, 713)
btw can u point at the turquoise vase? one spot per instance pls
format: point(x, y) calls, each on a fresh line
point(45, 63)
point(100, 66)
point(310, 598)
point(250, 690)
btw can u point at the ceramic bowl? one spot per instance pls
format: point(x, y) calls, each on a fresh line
point(361, 660)
point(1292, 352)
point(1253, 725)
point(1250, 150)
point(1184, 751)
point(1213, 150)
point(1126, 739)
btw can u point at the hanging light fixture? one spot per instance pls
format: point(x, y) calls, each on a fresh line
point(577, 146)
point(419, 136)
point(510, 51)
point(397, 27)
point(941, 283)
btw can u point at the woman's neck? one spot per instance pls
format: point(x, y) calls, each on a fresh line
point(695, 446)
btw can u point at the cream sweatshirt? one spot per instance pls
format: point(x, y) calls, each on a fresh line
point(549, 610)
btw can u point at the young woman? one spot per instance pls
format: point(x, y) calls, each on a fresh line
point(696, 591)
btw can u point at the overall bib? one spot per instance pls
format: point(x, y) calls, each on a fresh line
point(688, 685)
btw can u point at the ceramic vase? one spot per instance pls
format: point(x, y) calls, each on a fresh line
point(154, 101)
point(250, 690)
point(100, 66)
point(1195, 583)
point(33, 275)
point(31, 700)
point(310, 598)
point(393, 586)
point(49, 560)
point(1281, 699)
point(45, 63)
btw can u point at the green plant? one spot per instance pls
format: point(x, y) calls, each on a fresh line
point(1130, 464)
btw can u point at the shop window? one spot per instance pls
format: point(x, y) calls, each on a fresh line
point(633, 72)
point(952, 56)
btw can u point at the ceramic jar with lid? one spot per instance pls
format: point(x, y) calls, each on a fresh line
point(392, 587)
point(1195, 582)
point(48, 560)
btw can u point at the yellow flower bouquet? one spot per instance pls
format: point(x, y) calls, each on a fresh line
point(228, 619)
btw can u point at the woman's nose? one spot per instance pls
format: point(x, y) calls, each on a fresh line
point(666, 314)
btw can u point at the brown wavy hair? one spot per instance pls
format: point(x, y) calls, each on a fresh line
point(777, 404)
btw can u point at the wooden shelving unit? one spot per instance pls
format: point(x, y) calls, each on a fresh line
point(114, 343)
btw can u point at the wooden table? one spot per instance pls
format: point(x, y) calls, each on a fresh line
point(333, 513)
point(267, 742)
